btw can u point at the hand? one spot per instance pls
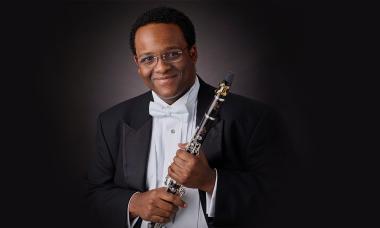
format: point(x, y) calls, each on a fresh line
point(155, 205)
point(192, 171)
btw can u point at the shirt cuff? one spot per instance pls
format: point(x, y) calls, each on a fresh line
point(129, 224)
point(211, 198)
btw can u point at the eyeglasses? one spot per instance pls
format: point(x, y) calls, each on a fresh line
point(170, 56)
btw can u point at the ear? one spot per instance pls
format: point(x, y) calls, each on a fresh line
point(193, 52)
point(136, 61)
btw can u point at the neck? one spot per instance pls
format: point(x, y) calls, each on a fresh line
point(170, 101)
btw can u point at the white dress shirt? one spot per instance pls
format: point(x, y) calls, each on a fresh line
point(167, 132)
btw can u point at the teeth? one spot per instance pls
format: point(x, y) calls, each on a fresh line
point(164, 78)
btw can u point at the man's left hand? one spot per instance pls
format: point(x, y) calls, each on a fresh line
point(192, 171)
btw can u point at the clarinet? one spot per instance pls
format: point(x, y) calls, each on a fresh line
point(201, 131)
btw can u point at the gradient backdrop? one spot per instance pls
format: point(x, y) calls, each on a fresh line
point(71, 60)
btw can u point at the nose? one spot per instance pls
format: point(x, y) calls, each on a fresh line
point(161, 66)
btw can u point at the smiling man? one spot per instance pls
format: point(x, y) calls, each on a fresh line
point(142, 140)
point(157, 44)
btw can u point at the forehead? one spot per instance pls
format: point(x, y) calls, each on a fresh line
point(153, 38)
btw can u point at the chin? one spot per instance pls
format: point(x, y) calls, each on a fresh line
point(168, 96)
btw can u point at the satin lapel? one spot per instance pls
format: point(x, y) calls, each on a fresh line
point(212, 146)
point(135, 142)
point(135, 146)
point(205, 96)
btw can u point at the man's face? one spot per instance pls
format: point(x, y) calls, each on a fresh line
point(169, 80)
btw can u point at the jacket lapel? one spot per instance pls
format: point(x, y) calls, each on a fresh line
point(136, 131)
point(212, 146)
point(135, 145)
point(205, 96)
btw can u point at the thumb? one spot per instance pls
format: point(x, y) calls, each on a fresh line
point(182, 145)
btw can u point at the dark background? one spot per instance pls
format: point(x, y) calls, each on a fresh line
point(64, 62)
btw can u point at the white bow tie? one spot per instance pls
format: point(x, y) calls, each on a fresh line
point(179, 111)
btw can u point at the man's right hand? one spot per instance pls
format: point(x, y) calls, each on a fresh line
point(156, 205)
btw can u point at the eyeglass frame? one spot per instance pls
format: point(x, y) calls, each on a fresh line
point(161, 56)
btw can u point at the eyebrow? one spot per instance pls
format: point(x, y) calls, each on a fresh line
point(166, 49)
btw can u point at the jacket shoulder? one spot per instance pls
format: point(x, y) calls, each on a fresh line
point(246, 113)
point(241, 107)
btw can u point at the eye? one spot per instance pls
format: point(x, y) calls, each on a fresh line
point(147, 60)
point(172, 55)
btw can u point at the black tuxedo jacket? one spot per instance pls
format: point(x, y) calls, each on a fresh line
point(240, 146)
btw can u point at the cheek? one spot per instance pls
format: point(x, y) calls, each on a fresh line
point(144, 74)
point(180, 68)
point(139, 70)
point(186, 70)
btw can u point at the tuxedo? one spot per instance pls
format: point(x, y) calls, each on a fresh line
point(241, 146)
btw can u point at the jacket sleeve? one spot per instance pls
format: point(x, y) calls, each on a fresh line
point(107, 201)
point(244, 194)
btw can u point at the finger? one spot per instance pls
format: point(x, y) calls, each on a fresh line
point(184, 155)
point(178, 169)
point(174, 175)
point(182, 146)
point(179, 162)
point(166, 206)
point(179, 202)
point(160, 212)
point(174, 199)
point(161, 189)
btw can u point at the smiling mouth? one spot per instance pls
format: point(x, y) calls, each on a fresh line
point(165, 77)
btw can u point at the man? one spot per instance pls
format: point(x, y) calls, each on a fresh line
point(142, 140)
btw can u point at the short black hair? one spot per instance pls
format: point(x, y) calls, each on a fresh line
point(164, 15)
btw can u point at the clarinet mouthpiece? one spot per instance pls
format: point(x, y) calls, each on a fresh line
point(229, 78)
